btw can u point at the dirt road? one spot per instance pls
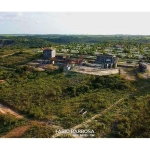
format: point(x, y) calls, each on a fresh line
point(7, 55)
point(18, 131)
point(5, 110)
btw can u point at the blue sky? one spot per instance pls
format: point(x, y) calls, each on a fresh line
point(74, 23)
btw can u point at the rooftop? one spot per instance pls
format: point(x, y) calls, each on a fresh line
point(48, 48)
point(107, 55)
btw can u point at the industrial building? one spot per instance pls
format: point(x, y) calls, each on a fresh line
point(103, 61)
point(48, 55)
point(107, 61)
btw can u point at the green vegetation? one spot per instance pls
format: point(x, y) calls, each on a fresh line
point(46, 96)
point(9, 122)
point(129, 119)
point(58, 97)
point(80, 44)
point(37, 131)
point(19, 42)
point(18, 59)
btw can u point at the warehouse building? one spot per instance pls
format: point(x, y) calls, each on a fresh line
point(107, 61)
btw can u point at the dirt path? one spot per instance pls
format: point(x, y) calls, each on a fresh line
point(91, 119)
point(95, 116)
point(5, 110)
point(17, 132)
point(7, 55)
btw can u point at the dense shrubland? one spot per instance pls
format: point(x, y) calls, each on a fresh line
point(129, 119)
point(60, 97)
point(38, 131)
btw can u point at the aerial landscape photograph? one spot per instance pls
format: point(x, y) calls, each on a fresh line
point(74, 75)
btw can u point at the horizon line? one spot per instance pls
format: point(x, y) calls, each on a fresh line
point(70, 34)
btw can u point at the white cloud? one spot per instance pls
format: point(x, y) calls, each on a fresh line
point(10, 16)
point(37, 21)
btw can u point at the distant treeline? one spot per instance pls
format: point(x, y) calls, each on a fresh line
point(36, 41)
point(23, 42)
point(64, 39)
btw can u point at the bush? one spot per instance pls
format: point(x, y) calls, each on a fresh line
point(9, 122)
point(121, 128)
point(38, 131)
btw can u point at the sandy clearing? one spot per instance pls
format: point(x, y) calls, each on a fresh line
point(94, 71)
point(5, 110)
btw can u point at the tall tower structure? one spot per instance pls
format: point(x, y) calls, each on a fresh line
point(48, 55)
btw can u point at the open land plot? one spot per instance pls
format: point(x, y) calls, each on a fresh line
point(95, 71)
